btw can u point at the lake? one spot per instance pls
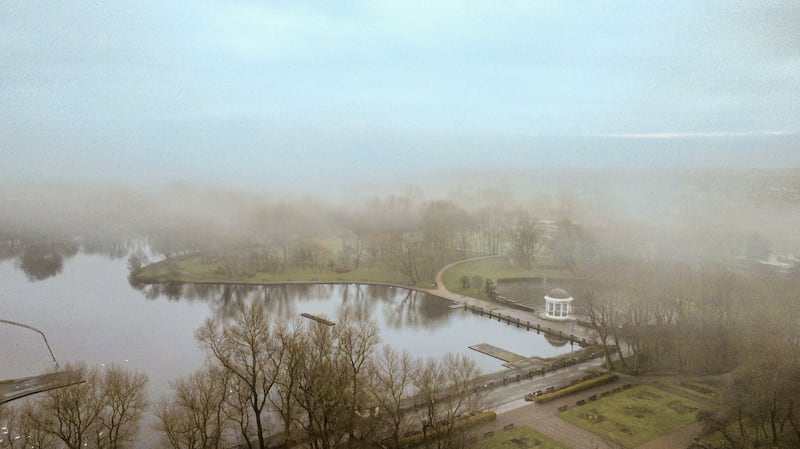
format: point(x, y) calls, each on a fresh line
point(90, 313)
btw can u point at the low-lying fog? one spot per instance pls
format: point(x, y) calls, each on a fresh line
point(690, 215)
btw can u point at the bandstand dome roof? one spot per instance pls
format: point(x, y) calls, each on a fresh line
point(558, 293)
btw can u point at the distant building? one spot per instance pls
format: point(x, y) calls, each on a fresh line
point(782, 263)
point(558, 305)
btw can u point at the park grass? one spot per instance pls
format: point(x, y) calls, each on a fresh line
point(493, 268)
point(699, 390)
point(521, 437)
point(634, 416)
point(193, 268)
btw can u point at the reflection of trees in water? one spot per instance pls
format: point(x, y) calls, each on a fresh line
point(43, 256)
point(113, 248)
point(10, 246)
point(355, 302)
point(275, 300)
point(173, 290)
point(399, 307)
point(231, 298)
point(44, 259)
point(415, 310)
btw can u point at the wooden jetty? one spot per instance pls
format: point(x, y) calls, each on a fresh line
point(318, 319)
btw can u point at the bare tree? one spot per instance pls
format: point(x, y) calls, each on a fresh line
point(195, 417)
point(293, 340)
point(19, 430)
point(406, 251)
point(601, 315)
point(356, 337)
point(392, 378)
point(446, 391)
point(527, 237)
point(321, 390)
point(248, 349)
point(104, 411)
point(123, 397)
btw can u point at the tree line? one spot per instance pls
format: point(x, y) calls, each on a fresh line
point(266, 383)
point(660, 317)
point(306, 382)
point(398, 233)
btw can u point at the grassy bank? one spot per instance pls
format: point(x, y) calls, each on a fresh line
point(493, 268)
point(194, 268)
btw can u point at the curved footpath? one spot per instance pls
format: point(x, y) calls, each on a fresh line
point(508, 400)
point(567, 327)
point(512, 410)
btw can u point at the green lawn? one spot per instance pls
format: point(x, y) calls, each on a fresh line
point(634, 416)
point(522, 437)
point(491, 268)
point(195, 269)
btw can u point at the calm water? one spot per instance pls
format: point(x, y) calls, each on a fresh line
point(90, 313)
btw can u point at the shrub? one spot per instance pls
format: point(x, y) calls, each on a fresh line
point(581, 386)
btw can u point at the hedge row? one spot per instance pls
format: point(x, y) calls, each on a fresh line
point(580, 386)
point(478, 418)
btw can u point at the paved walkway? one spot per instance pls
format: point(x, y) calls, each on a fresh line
point(542, 417)
point(567, 327)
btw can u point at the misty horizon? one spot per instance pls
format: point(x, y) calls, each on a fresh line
point(306, 98)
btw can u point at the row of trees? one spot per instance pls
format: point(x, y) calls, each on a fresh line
point(269, 382)
point(690, 319)
point(266, 382)
point(402, 233)
point(103, 412)
point(708, 320)
point(761, 404)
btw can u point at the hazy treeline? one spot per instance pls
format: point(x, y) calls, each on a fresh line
point(692, 319)
point(691, 217)
point(269, 381)
point(266, 382)
point(706, 319)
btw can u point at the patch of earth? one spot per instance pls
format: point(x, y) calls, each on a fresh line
point(524, 443)
point(593, 416)
point(647, 395)
point(637, 412)
point(681, 408)
point(622, 428)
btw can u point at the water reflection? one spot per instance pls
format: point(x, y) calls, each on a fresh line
point(395, 308)
point(408, 319)
point(41, 257)
point(40, 261)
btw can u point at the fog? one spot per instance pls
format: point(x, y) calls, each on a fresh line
point(681, 214)
point(162, 162)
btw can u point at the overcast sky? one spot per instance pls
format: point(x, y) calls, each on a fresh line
point(300, 94)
